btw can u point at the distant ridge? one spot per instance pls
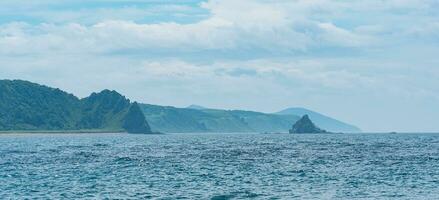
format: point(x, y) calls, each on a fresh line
point(196, 107)
point(170, 119)
point(197, 118)
point(27, 106)
point(323, 121)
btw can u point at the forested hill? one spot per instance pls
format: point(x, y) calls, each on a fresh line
point(26, 106)
point(182, 120)
point(200, 119)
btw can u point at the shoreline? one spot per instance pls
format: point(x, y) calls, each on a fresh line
point(20, 132)
point(58, 131)
point(30, 132)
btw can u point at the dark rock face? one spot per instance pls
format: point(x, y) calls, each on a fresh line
point(135, 121)
point(305, 125)
point(103, 110)
point(323, 121)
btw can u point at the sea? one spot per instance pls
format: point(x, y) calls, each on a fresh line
point(219, 166)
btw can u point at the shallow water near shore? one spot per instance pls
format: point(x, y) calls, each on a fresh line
point(219, 166)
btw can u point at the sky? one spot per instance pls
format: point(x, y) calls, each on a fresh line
point(374, 63)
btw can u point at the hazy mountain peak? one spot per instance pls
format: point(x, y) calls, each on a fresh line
point(196, 107)
point(297, 111)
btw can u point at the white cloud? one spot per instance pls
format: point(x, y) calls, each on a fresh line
point(341, 37)
point(277, 27)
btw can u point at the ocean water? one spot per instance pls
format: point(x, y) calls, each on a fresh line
point(219, 166)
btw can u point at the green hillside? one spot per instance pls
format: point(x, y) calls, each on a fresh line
point(183, 120)
point(26, 106)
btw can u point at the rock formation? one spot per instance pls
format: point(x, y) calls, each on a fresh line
point(134, 121)
point(305, 125)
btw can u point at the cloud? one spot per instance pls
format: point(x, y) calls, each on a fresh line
point(263, 28)
point(281, 28)
point(341, 37)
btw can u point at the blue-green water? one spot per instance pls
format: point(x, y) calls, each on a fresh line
point(227, 166)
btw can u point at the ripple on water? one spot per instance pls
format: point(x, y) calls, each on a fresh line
point(232, 166)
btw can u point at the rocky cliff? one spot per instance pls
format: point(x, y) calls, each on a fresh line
point(305, 125)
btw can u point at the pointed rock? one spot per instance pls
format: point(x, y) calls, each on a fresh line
point(135, 121)
point(305, 125)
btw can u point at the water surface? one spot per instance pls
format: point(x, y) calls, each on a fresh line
point(219, 166)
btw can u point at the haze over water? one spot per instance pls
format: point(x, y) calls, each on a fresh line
point(219, 166)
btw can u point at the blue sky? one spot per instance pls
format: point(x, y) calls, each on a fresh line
point(371, 63)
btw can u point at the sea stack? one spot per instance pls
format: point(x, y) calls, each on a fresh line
point(135, 121)
point(305, 125)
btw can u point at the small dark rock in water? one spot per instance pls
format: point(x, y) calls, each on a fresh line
point(305, 125)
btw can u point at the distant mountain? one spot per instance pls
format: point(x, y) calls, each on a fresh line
point(26, 106)
point(196, 107)
point(322, 121)
point(183, 120)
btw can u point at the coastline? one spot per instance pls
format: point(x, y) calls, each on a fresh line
point(59, 131)
point(24, 132)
